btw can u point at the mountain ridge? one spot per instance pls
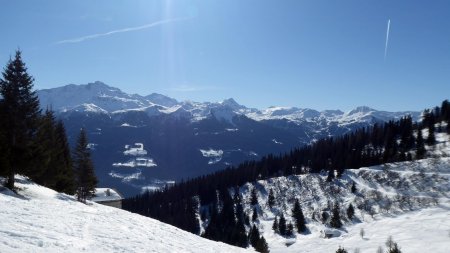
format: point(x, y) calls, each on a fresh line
point(108, 99)
point(175, 132)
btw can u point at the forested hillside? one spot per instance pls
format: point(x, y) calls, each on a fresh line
point(209, 196)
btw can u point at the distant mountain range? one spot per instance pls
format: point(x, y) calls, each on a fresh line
point(186, 139)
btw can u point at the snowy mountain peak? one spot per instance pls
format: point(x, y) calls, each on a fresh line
point(102, 98)
point(361, 109)
point(230, 102)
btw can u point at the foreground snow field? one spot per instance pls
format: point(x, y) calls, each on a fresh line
point(426, 230)
point(41, 220)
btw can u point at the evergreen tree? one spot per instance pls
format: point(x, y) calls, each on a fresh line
point(431, 139)
point(65, 179)
point(262, 246)
point(298, 216)
point(341, 250)
point(4, 151)
point(445, 111)
point(350, 211)
point(336, 217)
point(254, 215)
point(353, 189)
point(330, 176)
point(271, 199)
point(420, 147)
point(392, 246)
point(254, 236)
point(254, 197)
point(282, 225)
point(395, 249)
point(448, 127)
point(43, 145)
point(276, 226)
point(247, 220)
point(21, 111)
point(212, 231)
point(86, 179)
point(191, 214)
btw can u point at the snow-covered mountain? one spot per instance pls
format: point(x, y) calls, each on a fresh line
point(38, 219)
point(407, 200)
point(101, 98)
point(176, 133)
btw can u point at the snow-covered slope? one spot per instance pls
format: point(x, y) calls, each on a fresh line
point(41, 220)
point(407, 200)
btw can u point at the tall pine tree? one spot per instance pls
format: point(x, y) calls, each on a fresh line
point(350, 211)
point(271, 199)
point(254, 197)
point(21, 111)
point(299, 218)
point(4, 149)
point(282, 225)
point(336, 217)
point(84, 169)
point(420, 146)
point(65, 179)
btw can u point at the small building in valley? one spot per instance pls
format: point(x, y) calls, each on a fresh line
point(108, 197)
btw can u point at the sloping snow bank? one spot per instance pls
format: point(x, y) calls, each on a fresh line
point(42, 220)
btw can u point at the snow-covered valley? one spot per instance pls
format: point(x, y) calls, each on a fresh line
point(38, 219)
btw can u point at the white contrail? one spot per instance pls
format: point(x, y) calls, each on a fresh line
point(129, 29)
point(387, 38)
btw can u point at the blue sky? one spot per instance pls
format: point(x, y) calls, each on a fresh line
point(315, 54)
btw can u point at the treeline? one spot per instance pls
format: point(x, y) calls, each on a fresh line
point(35, 144)
point(392, 141)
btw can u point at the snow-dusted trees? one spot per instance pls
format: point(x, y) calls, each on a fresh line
point(84, 169)
point(275, 225)
point(20, 107)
